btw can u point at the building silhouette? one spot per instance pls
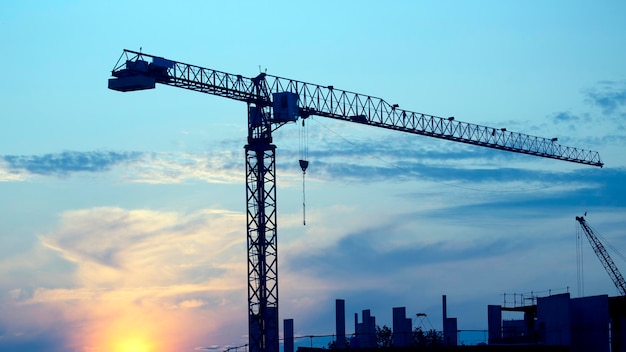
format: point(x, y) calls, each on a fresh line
point(551, 323)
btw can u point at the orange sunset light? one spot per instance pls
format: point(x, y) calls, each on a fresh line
point(134, 345)
point(135, 336)
point(127, 327)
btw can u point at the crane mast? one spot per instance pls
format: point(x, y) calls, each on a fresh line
point(603, 255)
point(275, 101)
point(261, 224)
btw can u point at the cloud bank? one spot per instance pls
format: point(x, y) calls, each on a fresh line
point(62, 164)
point(129, 274)
point(138, 167)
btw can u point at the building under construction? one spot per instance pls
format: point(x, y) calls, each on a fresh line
point(551, 323)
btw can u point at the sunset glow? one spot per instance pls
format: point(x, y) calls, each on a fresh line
point(133, 345)
point(131, 339)
point(128, 218)
point(125, 327)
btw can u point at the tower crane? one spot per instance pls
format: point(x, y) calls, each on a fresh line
point(275, 101)
point(603, 255)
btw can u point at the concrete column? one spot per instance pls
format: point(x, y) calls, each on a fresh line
point(450, 332)
point(356, 341)
point(444, 314)
point(449, 325)
point(288, 332)
point(494, 324)
point(401, 328)
point(444, 306)
point(340, 323)
point(369, 330)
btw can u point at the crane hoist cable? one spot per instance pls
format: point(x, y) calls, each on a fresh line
point(304, 164)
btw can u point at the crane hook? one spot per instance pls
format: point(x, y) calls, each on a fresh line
point(303, 165)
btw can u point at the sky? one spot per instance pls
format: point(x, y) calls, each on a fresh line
point(123, 214)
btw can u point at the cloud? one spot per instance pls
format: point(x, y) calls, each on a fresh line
point(137, 167)
point(134, 274)
point(383, 249)
point(462, 231)
point(384, 156)
point(192, 303)
point(62, 164)
point(146, 248)
point(414, 257)
point(565, 117)
point(610, 96)
point(168, 168)
point(398, 157)
point(32, 341)
point(412, 171)
point(479, 169)
point(10, 175)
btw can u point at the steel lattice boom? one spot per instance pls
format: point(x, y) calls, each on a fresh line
point(604, 256)
point(274, 101)
point(339, 104)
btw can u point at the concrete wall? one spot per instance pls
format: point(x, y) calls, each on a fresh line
point(450, 332)
point(402, 327)
point(590, 324)
point(365, 331)
point(494, 324)
point(554, 320)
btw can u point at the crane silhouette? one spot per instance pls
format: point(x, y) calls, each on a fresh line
point(603, 255)
point(275, 101)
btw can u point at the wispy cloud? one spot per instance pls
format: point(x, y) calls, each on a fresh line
point(459, 231)
point(352, 255)
point(334, 157)
point(7, 174)
point(139, 167)
point(564, 117)
point(610, 96)
point(114, 245)
point(62, 164)
point(444, 163)
point(163, 168)
point(365, 162)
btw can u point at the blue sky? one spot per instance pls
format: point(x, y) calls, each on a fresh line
point(124, 214)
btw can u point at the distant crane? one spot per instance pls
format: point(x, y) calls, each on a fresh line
point(273, 102)
point(603, 255)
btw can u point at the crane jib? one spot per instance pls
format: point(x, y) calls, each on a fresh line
point(139, 71)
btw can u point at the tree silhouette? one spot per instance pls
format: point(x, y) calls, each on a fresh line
point(429, 338)
point(384, 336)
